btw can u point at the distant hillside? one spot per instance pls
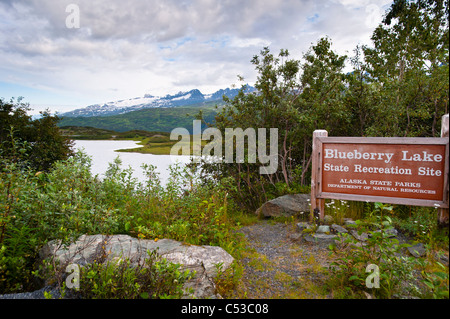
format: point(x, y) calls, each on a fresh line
point(87, 133)
point(92, 133)
point(152, 119)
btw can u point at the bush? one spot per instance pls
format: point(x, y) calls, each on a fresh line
point(353, 259)
point(421, 223)
point(19, 236)
point(399, 274)
point(184, 210)
point(67, 201)
point(118, 279)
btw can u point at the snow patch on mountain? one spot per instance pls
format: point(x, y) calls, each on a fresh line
point(185, 97)
point(150, 101)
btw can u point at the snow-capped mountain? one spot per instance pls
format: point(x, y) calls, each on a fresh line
point(150, 101)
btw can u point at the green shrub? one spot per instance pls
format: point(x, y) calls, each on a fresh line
point(19, 236)
point(118, 279)
point(67, 201)
point(421, 224)
point(349, 269)
point(436, 280)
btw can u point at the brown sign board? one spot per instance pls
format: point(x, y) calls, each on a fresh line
point(409, 171)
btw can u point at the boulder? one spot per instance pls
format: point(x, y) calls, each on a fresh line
point(287, 205)
point(101, 248)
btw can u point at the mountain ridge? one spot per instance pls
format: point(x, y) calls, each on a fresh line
point(187, 98)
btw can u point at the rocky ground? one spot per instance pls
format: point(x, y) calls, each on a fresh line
point(279, 264)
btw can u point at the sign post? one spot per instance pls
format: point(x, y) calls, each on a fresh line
point(406, 171)
point(316, 202)
point(443, 217)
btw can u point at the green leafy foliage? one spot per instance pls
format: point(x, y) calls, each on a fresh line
point(155, 278)
point(353, 257)
point(41, 141)
point(400, 274)
point(68, 201)
point(409, 65)
point(436, 280)
point(397, 87)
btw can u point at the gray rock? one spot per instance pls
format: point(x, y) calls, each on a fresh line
point(349, 221)
point(338, 229)
point(320, 238)
point(295, 237)
point(362, 237)
point(327, 219)
point(323, 229)
point(303, 225)
point(101, 249)
point(390, 232)
point(417, 250)
point(341, 243)
point(38, 294)
point(287, 205)
point(442, 258)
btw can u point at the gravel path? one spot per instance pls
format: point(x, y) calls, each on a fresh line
point(279, 264)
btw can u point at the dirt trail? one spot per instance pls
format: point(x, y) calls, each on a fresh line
point(278, 264)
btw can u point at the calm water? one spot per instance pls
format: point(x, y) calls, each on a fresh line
point(103, 153)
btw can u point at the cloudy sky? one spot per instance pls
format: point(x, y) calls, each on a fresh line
point(67, 54)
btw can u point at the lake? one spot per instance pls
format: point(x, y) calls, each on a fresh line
point(103, 152)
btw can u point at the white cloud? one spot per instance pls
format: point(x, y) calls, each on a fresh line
point(251, 42)
point(128, 48)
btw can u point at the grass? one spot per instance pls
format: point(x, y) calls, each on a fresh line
point(162, 145)
point(157, 143)
point(151, 148)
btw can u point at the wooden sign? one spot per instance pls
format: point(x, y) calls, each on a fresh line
point(406, 171)
point(410, 171)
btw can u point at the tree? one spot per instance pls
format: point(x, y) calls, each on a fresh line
point(321, 99)
point(271, 106)
point(322, 89)
point(295, 104)
point(361, 95)
point(37, 143)
point(410, 61)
